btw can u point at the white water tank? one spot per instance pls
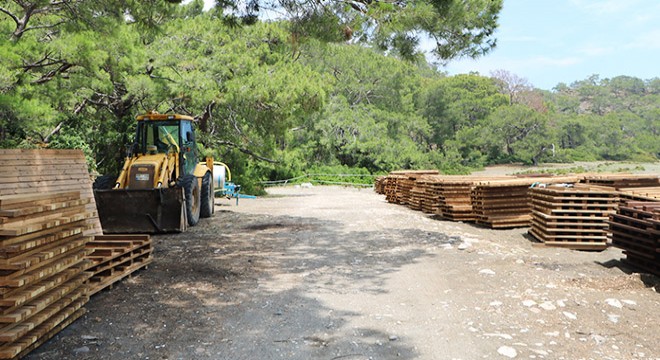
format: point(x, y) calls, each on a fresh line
point(219, 173)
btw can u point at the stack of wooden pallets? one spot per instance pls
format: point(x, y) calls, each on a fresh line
point(27, 171)
point(635, 228)
point(114, 257)
point(573, 217)
point(379, 184)
point(502, 204)
point(48, 246)
point(454, 201)
point(400, 184)
point(428, 195)
point(619, 181)
point(640, 194)
point(42, 262)
point(391, 188)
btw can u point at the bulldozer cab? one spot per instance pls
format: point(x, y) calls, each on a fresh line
point(165, 136)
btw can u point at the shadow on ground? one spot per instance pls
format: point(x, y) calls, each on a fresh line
point(247, 287)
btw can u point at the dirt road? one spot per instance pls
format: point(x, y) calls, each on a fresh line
point(338, 273)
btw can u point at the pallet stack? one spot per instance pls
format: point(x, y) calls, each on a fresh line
point(430, 198)
point(42, 262)
point(574, 217)
point(379, 184)
point(114, 257)
point(640, 194)
point(619, 181)
point(400, 184)
point(635, 228)
point(503, 204)
point(50, 243)
point(28, 171)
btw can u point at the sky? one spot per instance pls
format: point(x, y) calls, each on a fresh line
point(549, 42)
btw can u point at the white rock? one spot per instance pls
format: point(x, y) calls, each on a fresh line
point(598, 339)
point(554, 333)
point(486, 272)
point(629, 302)
point(495, 303)
point(570, 315)
point(463, 246)
point(547, 305)
point(500, 335)
point(561, 303)
point(529, 303)
point(507, 351)
point(614, 302)
point(613, 318)
point(540, 352)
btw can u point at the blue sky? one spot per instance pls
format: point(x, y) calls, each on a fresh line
point(549, 42)
point(553, 41)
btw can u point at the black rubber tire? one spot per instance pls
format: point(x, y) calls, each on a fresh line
point(207, 205)
point(192, 198)
point(104, 182)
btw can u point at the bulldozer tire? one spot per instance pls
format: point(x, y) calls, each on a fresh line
point(192, 198)
point(207, 204)
point(104, 182)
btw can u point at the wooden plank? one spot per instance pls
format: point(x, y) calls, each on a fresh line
point(23, 295)
point(52, 221)
point(34, 306)
point(12, 247)
point(26, 198)
point(58, 264)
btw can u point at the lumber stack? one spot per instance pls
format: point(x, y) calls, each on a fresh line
point(619, 181)
point(114, 257)
point(391, 188)
point(50, 244)
point(504, 203)
point(456, 201)
point(379, 184)
point(574, 217)
point(42, 262)
point(430, 197)
point(400, 183)
point(640, 194)
point(30, 171)
point(635, 228)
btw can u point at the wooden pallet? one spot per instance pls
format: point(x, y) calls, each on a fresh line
point(115, 257)
point(574, 217)
point(635, 228)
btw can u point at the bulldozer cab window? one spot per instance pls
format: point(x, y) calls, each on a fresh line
point(163, 135)
point(188, 150)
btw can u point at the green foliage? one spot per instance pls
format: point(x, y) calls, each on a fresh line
point(74, 141)
point(281, 99)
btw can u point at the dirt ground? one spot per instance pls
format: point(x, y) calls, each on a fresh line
point(339, 273)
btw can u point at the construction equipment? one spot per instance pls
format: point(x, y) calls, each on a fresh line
point(162, 187)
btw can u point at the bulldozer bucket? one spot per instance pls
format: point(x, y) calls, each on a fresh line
point(141, 211)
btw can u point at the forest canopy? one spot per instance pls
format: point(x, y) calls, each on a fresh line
point(327, 85)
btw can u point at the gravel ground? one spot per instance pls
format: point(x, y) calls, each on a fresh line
point(338, 273)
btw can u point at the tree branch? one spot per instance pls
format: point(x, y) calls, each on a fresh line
point(12, 16)
point(248, 152)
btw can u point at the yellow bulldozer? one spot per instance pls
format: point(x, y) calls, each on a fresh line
point(163, 186)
